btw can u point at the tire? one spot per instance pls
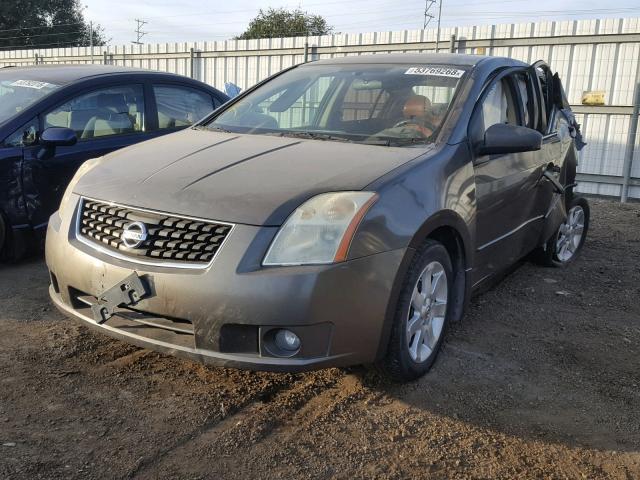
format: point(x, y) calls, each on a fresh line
point(4, 235)
point(565, 244)
point(10, 250)
point(421, 319)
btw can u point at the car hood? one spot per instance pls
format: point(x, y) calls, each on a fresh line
point(249, 179)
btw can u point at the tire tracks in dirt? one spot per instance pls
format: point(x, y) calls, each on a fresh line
point(277, 411)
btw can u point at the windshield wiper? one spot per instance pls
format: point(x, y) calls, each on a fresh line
point(215, 129)
point(395, 141)
point(310, 136)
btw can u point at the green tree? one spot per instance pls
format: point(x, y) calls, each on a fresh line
point(280, 22)
point(45, 23)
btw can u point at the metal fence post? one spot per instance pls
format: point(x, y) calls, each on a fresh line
point(631, 140)
point(306, 50)
point(631, 144)
point(104, 57)
point(36, 59)
point(452, 43)
point(191, 57)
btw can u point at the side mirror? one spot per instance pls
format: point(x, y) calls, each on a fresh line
point(58, 137)
point(503, 138)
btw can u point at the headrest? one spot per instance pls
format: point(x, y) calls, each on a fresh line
point(114, 102)
point(416, 106)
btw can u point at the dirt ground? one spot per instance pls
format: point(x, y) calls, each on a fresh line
point(541, 380)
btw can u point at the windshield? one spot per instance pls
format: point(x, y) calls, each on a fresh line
point(16, 95)
point(379, 104)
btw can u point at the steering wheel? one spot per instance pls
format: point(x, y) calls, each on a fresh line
point(426, 130)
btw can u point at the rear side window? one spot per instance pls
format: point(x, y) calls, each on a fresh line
point(180, 107)
point(104, 112)
point(362, 103)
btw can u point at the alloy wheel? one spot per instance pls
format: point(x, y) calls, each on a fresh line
point(570, 234)
point(427, 312)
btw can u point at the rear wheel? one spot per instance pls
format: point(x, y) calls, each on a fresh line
point(422, 314)
point(564, 246)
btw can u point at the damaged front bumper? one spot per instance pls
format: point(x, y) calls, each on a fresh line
point(226, 314)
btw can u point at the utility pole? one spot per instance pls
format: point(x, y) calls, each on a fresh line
point(91, 40)
point(428, 16)
point(139, 32)
point(439, 17)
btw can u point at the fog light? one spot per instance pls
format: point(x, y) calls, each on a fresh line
point(287, 340)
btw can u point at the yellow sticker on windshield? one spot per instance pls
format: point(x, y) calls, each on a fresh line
point(436, 71)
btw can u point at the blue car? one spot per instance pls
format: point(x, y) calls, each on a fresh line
point(53, 118)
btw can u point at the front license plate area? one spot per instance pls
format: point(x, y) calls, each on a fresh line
point(126, 293)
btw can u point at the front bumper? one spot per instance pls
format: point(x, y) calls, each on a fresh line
point(339, 311)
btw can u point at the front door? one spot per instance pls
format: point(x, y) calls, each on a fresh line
point(104, 120)
point(507, 185)
point(12, 207)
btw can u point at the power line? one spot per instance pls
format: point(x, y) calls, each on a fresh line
point(67, 43)
point(41, 26)
point(42, 35)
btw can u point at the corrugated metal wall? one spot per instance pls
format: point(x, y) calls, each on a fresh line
point(588, 54)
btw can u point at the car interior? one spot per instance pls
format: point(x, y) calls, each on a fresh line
point(99, 114)
point(363, 108)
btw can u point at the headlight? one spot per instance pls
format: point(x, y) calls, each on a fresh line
point(84, 168)
point(320, 230)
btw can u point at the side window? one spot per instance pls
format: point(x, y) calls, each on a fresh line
point(499, 106)
point(23, 137)
point(527, 103)
point(181, 106)
point(104, 112)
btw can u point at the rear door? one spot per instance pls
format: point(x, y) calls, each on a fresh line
point(105, 119)
point(507, 185)
point(554, 147)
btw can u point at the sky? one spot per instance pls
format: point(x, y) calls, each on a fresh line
point(193, 20)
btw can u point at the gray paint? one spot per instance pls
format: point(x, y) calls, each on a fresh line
point(498, 203)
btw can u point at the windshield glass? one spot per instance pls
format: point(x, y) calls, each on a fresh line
point(380, 104)
point(16, 95)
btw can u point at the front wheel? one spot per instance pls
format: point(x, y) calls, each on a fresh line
point(565, 244)
point(10, 250)
point(3, 236)
point(421, 315)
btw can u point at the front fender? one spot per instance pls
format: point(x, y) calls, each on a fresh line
point(431, 192)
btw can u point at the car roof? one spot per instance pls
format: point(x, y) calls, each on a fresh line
point(66, 74)
point(420, 58)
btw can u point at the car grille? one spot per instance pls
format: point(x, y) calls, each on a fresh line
point(169, 238)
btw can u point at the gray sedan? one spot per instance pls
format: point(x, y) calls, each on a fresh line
point(338, 213)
